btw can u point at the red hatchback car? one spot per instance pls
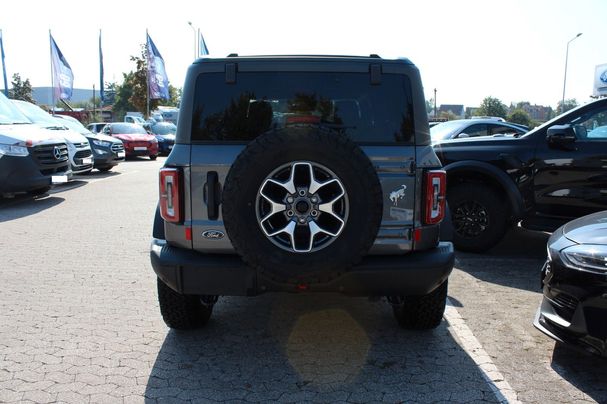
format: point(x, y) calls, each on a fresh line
point(137, 141)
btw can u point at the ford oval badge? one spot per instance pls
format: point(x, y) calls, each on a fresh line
point(213, 234)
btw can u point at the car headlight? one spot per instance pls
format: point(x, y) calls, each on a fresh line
point(12, 150)
point(101, 143)
point(586, 257)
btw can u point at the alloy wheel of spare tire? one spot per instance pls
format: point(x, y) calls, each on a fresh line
point(302, 204)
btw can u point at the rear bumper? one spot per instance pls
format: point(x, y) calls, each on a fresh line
point(190, 272)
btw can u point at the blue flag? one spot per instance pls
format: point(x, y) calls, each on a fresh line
point(158, 82)
point(3, 65)
point(101, 92)
point(202, 46)
point(63, 78)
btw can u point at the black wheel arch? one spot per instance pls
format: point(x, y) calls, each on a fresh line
point(479, 171)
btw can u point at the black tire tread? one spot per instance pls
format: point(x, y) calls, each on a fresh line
point(422, 312)
point(181, 312)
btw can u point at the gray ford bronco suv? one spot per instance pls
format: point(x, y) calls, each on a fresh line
point(302, 174)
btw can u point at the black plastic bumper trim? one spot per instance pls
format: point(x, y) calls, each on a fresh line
point(190, 272)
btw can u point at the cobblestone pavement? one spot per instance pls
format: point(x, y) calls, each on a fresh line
point(79, 321)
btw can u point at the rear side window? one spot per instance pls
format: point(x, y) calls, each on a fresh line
point(261, 101)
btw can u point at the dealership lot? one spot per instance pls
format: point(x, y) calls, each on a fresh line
point(80, 322)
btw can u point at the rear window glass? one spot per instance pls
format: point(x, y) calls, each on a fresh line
point(262, 101)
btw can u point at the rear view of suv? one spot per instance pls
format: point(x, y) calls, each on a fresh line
point(302, 174)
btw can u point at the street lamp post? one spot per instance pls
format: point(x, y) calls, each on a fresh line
point(565, 79)
point(195, 40)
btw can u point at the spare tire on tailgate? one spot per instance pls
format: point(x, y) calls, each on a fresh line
point(302, 204)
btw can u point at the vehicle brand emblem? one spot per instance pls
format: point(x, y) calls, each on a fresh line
point(398, 194)
point(57, 153)
point(603, 77)
point(213, 234)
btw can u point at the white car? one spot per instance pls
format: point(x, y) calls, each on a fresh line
point(81, 155)
point(32, 159)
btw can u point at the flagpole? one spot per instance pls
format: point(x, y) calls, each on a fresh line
point(147, 72)
point(3, 64)
point(50, 38)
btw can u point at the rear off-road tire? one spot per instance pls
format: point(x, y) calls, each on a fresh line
point(182, 312)
point(422, 312)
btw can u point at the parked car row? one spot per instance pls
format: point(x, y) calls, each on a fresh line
point(38, 149)
point(500, 174)
point(31, 158)
point(158, 139)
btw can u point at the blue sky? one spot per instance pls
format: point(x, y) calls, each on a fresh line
point(513, 50)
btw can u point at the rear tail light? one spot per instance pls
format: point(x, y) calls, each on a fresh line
point(170, 195)
point(436, 195)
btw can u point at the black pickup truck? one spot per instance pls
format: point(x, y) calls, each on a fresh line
point(549, 176)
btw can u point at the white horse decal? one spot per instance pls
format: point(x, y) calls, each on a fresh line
point(395, 196)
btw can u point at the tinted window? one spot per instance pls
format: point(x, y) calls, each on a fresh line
point(592, 125)
point(502, 130)
point(475, 131)
point(261, 101)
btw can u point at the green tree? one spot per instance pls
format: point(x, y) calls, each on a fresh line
point(123, 95)
point(492, 107)
point(21, 90)
point(520, 116)
point(175, 97)
point(569, 104)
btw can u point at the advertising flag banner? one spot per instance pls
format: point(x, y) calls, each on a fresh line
point(158, 82)
point(101, 92)
point(63, 78)
point(3, 65)
point(203, 46)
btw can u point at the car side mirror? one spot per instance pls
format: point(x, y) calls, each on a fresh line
point(561, 136)
point(463, 135)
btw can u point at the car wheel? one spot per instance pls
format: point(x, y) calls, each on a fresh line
point(302, 204)
point(420, 312)
point(184, 312)
point(153, 157)
point(105, 169)
point(479, 217)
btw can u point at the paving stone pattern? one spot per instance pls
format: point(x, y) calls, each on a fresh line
point(79, 323)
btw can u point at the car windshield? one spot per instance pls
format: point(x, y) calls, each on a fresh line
point(164, 129)
point(74, 125)
point(37, 115)
point(128, 128)
point(444, 130)
point(9, 114)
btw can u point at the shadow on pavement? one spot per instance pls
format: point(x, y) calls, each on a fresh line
point(76, 183)
point(515, 262)
point(586, 372)
point(323, 348)
point(23, 206)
